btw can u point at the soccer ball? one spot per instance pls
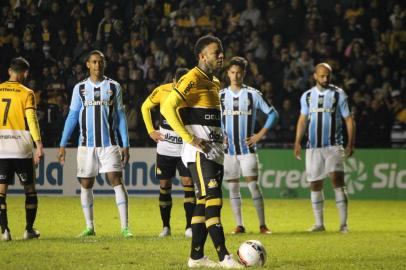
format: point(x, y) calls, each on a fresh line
point(252, 253)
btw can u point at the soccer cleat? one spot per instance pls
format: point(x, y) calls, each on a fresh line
point(126, 233)
point(165, 232)
point(202, 262)
point(88, 232)
point(317, 228)
point(264, 229)
point(188, 232)
point(344, 229)
point(230, 263)
point(238, 230)
point(31, 234)
point(6, 236)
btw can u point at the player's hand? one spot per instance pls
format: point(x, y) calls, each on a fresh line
point(61, 155)
point(201, 144)
point(157, 136)
point(251, 141)
point(125, 155)
point(39, 153)
point(349, 150)
point(297, 150)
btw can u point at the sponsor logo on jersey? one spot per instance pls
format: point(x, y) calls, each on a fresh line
point(212, 117)
point(173, 139)
point(98, 103)
point(188, 88)
point(232, 112)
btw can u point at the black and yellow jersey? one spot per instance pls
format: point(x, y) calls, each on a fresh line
point(17, 120)
point(172, 143)
point(193, 110)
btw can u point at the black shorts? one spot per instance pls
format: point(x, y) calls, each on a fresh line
point(206, 174)
point(23, 167)
point(166, 166)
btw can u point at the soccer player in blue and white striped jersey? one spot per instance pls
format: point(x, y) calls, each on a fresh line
point(239, 106)
point(98, 107)
point(322, 109)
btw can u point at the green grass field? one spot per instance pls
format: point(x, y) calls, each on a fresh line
point(377, 239)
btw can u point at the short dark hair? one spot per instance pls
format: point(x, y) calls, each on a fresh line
point(179, 73)
point(19, 64)
point(202, 43)
point(93, 53)
point(238, 61)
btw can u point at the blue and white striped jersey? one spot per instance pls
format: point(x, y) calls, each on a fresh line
point(325, 110)
point(239, 114)
point(98, 107)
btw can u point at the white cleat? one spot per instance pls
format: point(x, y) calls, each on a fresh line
point(6, 236)
point(31, 234)
point(344, 229)
point(317, 228)
point(188, 232)
point(202, 262)
point(165, 232)
point(230, 263)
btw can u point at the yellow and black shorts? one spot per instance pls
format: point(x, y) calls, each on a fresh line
point(207, 176)
point(23, 167)
point(166, 166)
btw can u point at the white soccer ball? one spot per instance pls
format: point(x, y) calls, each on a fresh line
point(252, 253)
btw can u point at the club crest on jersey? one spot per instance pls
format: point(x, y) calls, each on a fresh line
point(97, 94)
point(235, 103)
point(320, 101)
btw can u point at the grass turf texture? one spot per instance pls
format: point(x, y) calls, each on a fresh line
point(377, 238)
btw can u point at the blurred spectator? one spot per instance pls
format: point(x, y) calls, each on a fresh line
point(145, 41)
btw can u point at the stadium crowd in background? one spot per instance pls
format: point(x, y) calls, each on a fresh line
point(146, 41)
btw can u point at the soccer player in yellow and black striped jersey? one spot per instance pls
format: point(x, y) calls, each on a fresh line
point(193, 111)
point(18, 123)
point(168, 159)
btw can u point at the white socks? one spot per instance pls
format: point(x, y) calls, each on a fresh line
point(342, 204)
point(86, 198)
point(258, 201)
point(317, 198)
point(122, 204)
point(235, 200)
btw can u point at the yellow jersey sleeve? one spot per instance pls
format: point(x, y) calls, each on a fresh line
point(169, 111)
point(155, 96)
point(185, 84)
point(146, 114)
point(31, 115)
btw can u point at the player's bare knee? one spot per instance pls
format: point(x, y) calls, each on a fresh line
point(165, 183)
point(86, 182)
point(337, 179)
point(186, 181)
point(249, 179)
point(29, 188)
point(316, 185)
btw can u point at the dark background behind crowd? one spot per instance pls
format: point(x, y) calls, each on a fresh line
point(146, 41)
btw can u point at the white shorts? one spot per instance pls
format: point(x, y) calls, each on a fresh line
point(95, 160)
point(234, 165)
point(322, 161)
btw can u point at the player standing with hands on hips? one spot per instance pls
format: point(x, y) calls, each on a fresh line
point(98, 107)
point(239, 106)
point(192, 109)
point(322, 109)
